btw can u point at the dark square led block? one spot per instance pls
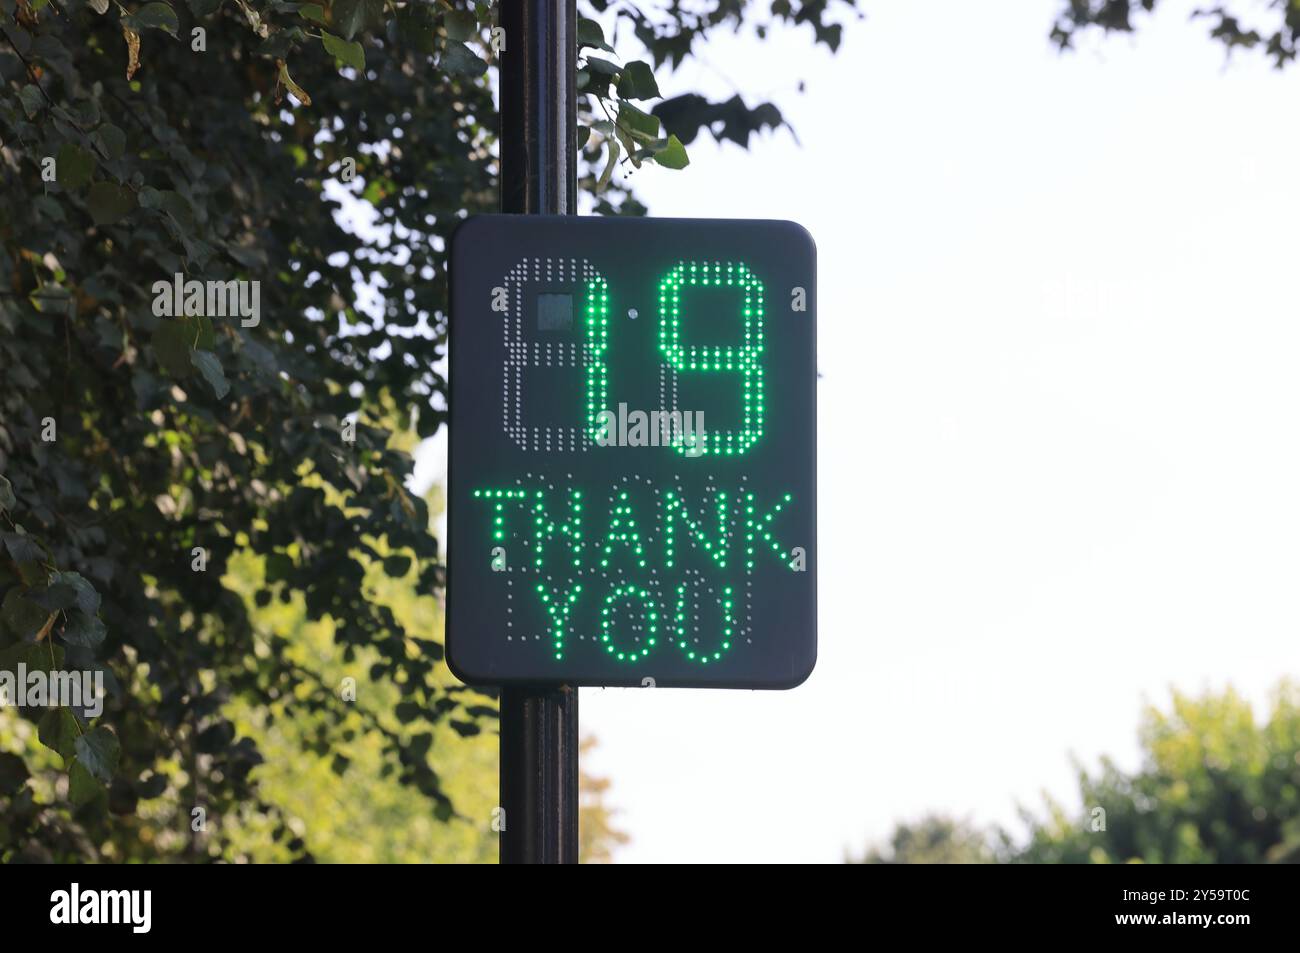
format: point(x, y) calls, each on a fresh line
point(555, 312)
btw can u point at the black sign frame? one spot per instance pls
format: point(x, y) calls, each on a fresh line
point(684, 561)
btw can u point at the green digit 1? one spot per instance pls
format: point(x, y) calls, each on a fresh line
point(743, 360)
point(596, 319)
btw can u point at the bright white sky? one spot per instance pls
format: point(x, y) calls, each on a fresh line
point(1059, 465)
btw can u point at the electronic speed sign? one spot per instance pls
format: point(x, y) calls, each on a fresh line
point(632, 492)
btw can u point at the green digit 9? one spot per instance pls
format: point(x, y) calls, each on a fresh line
point(744, 360)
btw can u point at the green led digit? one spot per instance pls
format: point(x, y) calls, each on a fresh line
point(744, 360)
point(595, 313)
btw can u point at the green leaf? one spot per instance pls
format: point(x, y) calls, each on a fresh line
point(153, 16)
point(31, 99)
point(637, 82)
point(313, 12)
point(417, 26)
point(590, 33)
point(97, 751)
point(610, 163)
point(84, 630)
point(152, 788)
point(204, 337)
point(397, 565)
point(460, 25)
point(13, 773)
point(22, 548)
point(596, 65)
point(178, 208)
point(210, 368)
point(407, 712)
point(215, 738)
point(22, 617)
point(7, 499)
point(281, 42)
point(87, 113)
point(40, 656)
point(204, 8)
point(673, 155)
point(639, 125)
point(74, 166)
point(109, 203)
point(351, 54)
point(58, 731)
point(279, 566)
point(82, 786)
point(593, 84)
point(349, 16)
point(87, 598)
point(111, 139)
point(53, 598)
point(172, 342)
point(20, 38)
point(459, 59)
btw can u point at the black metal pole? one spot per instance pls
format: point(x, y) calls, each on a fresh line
point(539, 107)
point(538, 142)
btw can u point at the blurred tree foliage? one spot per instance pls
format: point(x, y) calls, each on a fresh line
point(1272, 26)
point(340, 797)
point(159, 472)
point(933, 839)
point(1215, 787)
point(598, 836)
point(333, 783)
